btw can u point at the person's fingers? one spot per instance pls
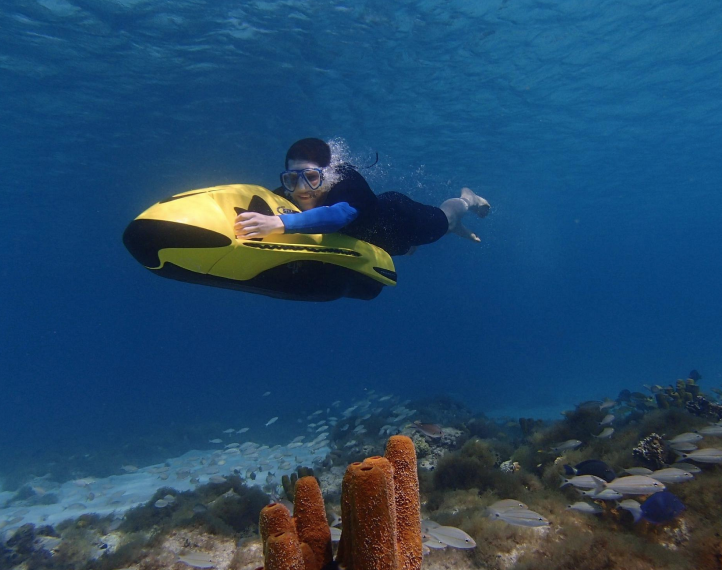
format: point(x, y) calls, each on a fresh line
point(246, 224)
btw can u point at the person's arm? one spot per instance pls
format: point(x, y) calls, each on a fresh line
point(321, 220)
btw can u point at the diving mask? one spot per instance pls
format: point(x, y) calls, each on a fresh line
point(312, 176)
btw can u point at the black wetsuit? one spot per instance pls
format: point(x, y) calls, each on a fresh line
point(392, 221)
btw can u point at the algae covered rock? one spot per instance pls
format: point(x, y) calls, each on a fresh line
point(652, 451)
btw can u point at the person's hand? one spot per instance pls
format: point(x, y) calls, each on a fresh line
point(253, 225)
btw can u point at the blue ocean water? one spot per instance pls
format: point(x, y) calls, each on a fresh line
point(593, 128)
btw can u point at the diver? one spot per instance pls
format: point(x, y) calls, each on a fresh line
point(334, 197)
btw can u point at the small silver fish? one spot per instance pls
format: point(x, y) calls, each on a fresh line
point(682, 446)
point(243, 430)
point(161, 503)
point(197, 560)
point(606, 433)
point(520, 517)
point(687, 437)
point(129, 468)
point(229, 430)
point(505, 504)
point(672, 475)
point(433, 431)
point(217, 479)
point(638, 471)
point(706, 455)
point(608, 419)
point(633, 507)
point(584, 507)
point(427, 524)
point(215, 440)
point(714, 430)
point(452, 536)
point(266, 394)
point(688, 467)
point(636, 485)
point(432, 542)
point(584, 482)
point(604, 495)
point(272, 421)
point(607, 403)
point(566, 445)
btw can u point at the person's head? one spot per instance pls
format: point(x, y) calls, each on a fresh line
point(307, 175)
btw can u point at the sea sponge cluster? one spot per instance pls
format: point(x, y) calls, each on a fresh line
point(381, 516)
point(301, 542)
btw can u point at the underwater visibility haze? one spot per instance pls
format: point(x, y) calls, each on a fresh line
point(593, 128)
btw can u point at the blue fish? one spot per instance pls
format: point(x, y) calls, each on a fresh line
point(662, 507)
point(592, 467)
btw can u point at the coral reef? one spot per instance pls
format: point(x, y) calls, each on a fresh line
point(380, 508)
point(702, 407)
point(430, 450)
point(380, 497)
point(651, 451)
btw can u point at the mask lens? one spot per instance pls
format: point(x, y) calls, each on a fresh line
point(289, 179)
point(313, 177)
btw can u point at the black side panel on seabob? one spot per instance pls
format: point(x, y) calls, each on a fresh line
point(145, 238)
point(297, 281)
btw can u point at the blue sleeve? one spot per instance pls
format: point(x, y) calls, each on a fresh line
point(323, 220)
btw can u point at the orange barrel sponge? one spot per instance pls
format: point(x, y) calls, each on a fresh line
point(344, 552)
point(309, 514)
point(309, 558)
point(401, 454)
point(283, 552)
point(373, 541)
point(275, 518)
point(385, 466)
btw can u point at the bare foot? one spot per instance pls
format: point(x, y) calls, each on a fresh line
point(464, 232)
point(477, 204)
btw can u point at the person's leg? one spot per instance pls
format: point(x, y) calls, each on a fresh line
point(456, 208)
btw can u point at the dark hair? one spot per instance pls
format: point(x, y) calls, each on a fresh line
point(313, 150)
